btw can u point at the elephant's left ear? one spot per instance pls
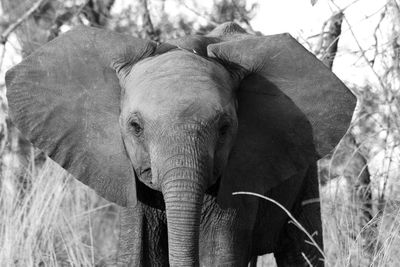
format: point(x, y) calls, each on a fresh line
point(288, 101)
point(65, 99)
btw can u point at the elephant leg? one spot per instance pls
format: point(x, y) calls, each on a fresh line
point(143, 237)
point(130, 247)
point(295, 248)
point(221, 241)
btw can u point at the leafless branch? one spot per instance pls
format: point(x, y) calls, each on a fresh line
point(243, 17)
point(332, 39)
point(316, 35)
point(4, 36)
point(349, 5)
point(148, 24)
point(375, 35)
point(318, 47)
point(210, 20)
point(3, 53)
point(81, 7)
point(375, 12)
point(362, 51)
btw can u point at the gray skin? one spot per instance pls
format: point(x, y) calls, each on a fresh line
point(172, 133)
point(169, 131)
point(179, 135)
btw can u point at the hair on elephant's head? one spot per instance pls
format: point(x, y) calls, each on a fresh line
point(229, 109)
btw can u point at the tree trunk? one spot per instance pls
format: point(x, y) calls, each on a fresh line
point(31, 33)
point(348, 153)
point(148, 27)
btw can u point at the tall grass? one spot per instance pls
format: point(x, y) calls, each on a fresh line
point(377, 243)
point(49, 219)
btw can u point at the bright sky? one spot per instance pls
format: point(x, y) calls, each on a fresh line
point(289, 16)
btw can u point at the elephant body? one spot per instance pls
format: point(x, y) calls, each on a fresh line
point(169, 131)
point(231, 237)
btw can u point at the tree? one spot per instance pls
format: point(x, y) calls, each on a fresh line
point(374, 132)
point(348, 159)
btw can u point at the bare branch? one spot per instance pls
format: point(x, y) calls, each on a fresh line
point(148, 24)
point(4, 36)
point(209, 19)
point(383, 14)
point(243, 17)
point(349, 5)
point(362, 51)
point(332, 39)
point(3, 53)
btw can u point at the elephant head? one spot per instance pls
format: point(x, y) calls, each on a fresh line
point(227, 109)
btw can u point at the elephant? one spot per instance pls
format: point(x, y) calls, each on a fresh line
point(168, 131)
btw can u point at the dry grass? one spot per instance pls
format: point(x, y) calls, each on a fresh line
point(51, 220)
point(348, 244)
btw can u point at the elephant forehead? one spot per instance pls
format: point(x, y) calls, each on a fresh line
point(176, 82)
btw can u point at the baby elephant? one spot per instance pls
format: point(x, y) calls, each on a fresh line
point(170, 131)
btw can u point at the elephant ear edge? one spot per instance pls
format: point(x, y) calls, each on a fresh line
point(65, 99)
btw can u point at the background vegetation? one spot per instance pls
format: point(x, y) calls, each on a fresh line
point(48, 219)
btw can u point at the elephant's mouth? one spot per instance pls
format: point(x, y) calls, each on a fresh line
point(149, 196)
point(213, 190)
point(145, 176)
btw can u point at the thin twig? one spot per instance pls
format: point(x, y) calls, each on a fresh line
point(349, 5)
point(316, 51)
point(243, 17)
point(362, 51)
point(4, 36)
point(79, 11)
point(92, 211)
point(3, 53)
point(383, 14)
point(148, 24)
point(306, 259)
point(209, 19)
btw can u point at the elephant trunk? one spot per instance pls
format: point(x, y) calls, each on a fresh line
point(183, 192)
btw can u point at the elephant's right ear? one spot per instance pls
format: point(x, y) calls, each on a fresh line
point(65, 99)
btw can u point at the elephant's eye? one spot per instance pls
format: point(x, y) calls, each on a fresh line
point(223, 131)
point(136, 128)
